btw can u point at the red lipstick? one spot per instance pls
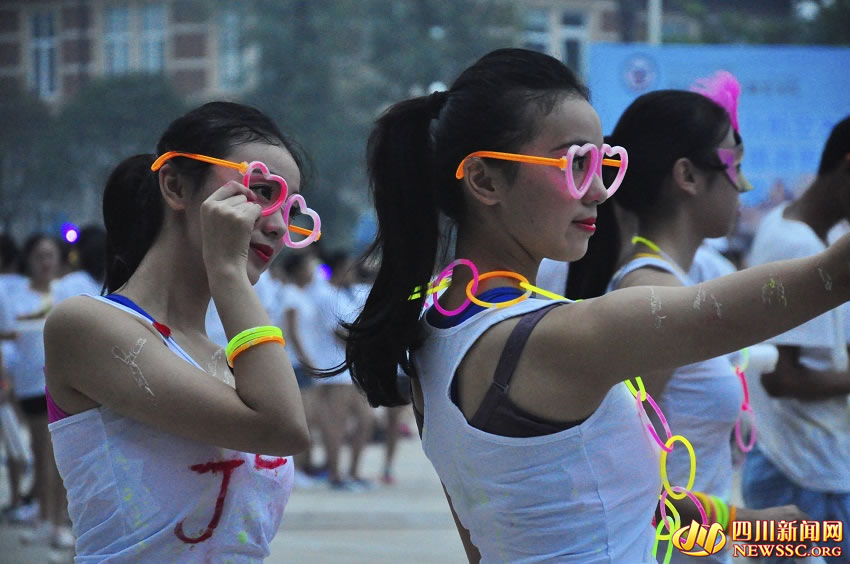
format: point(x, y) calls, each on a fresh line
point(265, 252)
point(588, 224)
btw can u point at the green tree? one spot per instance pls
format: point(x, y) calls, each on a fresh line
point(106, 121)
point(328, 69)
point(831, 25)
point(24, 160)
point(737, 23)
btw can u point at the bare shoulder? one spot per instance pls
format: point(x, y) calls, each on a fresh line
point(83, 318)
point(75, 335)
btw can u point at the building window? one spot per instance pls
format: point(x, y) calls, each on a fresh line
point(572, 54)
point(152, 39)
point(537, 20)
point(572, 19)
point(43, 54)
point(536, 33)
point(229, 50)
point(532, 45)
point(116, 40)
point(574, 37)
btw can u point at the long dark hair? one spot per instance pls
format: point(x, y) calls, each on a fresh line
point(412, 155)
point(837, 147)
point(657, 129)
point(132, 204)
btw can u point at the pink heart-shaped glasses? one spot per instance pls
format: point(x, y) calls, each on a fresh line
point(312, 235)
point(270, 189)
point(579, 178)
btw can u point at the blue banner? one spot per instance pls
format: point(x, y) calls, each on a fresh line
point(791, 97)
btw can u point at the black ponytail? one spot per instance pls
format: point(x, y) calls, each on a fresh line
point(412, 155)
point(399, 160)
point(132, 214)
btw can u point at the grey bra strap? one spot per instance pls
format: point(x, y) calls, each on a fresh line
point(507, 364)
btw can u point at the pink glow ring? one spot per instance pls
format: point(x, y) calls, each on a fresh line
point(679, 489)
point(743, 379)
point(448, 270)
point(663, 422)
point(665, 520)
point(749, 446)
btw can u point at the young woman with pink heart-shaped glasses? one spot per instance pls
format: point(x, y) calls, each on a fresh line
point(681, 190)
point(541, 448)
point(164, 440)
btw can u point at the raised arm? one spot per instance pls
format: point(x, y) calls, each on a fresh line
point(638, 331)
point(120, 362)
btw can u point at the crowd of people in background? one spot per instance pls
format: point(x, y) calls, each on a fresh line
point(39, 274)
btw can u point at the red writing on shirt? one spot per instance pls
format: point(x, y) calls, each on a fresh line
point(226, 467)
point(268, 464)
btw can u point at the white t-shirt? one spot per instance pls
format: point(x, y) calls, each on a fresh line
point(808, 440)
point(26, 363)
point(585, 494)
point(552, 275)
point(701, 402)
point(335, 305)
point(138, 494)
point(7, 322)
point(709, 263)
point(268, 290)
point(310, 334)
point(74, 284)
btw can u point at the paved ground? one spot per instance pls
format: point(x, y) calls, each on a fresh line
point(407, 521)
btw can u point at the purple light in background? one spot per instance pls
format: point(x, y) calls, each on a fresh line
point(70, 232)
point(325, 271)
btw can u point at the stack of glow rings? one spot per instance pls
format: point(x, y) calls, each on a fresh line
point(640, 394)
point(675, 492)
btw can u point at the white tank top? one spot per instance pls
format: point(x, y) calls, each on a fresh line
point(137, 494)
point(585, 494)
point(701, 402)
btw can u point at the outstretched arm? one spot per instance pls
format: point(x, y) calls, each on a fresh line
point(642, 330)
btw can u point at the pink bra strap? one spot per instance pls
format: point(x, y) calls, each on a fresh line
point(54, 412)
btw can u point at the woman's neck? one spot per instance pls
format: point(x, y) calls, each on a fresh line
point(816, 208)
point(171, 286)
point(487, 255)
point(675, 237)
